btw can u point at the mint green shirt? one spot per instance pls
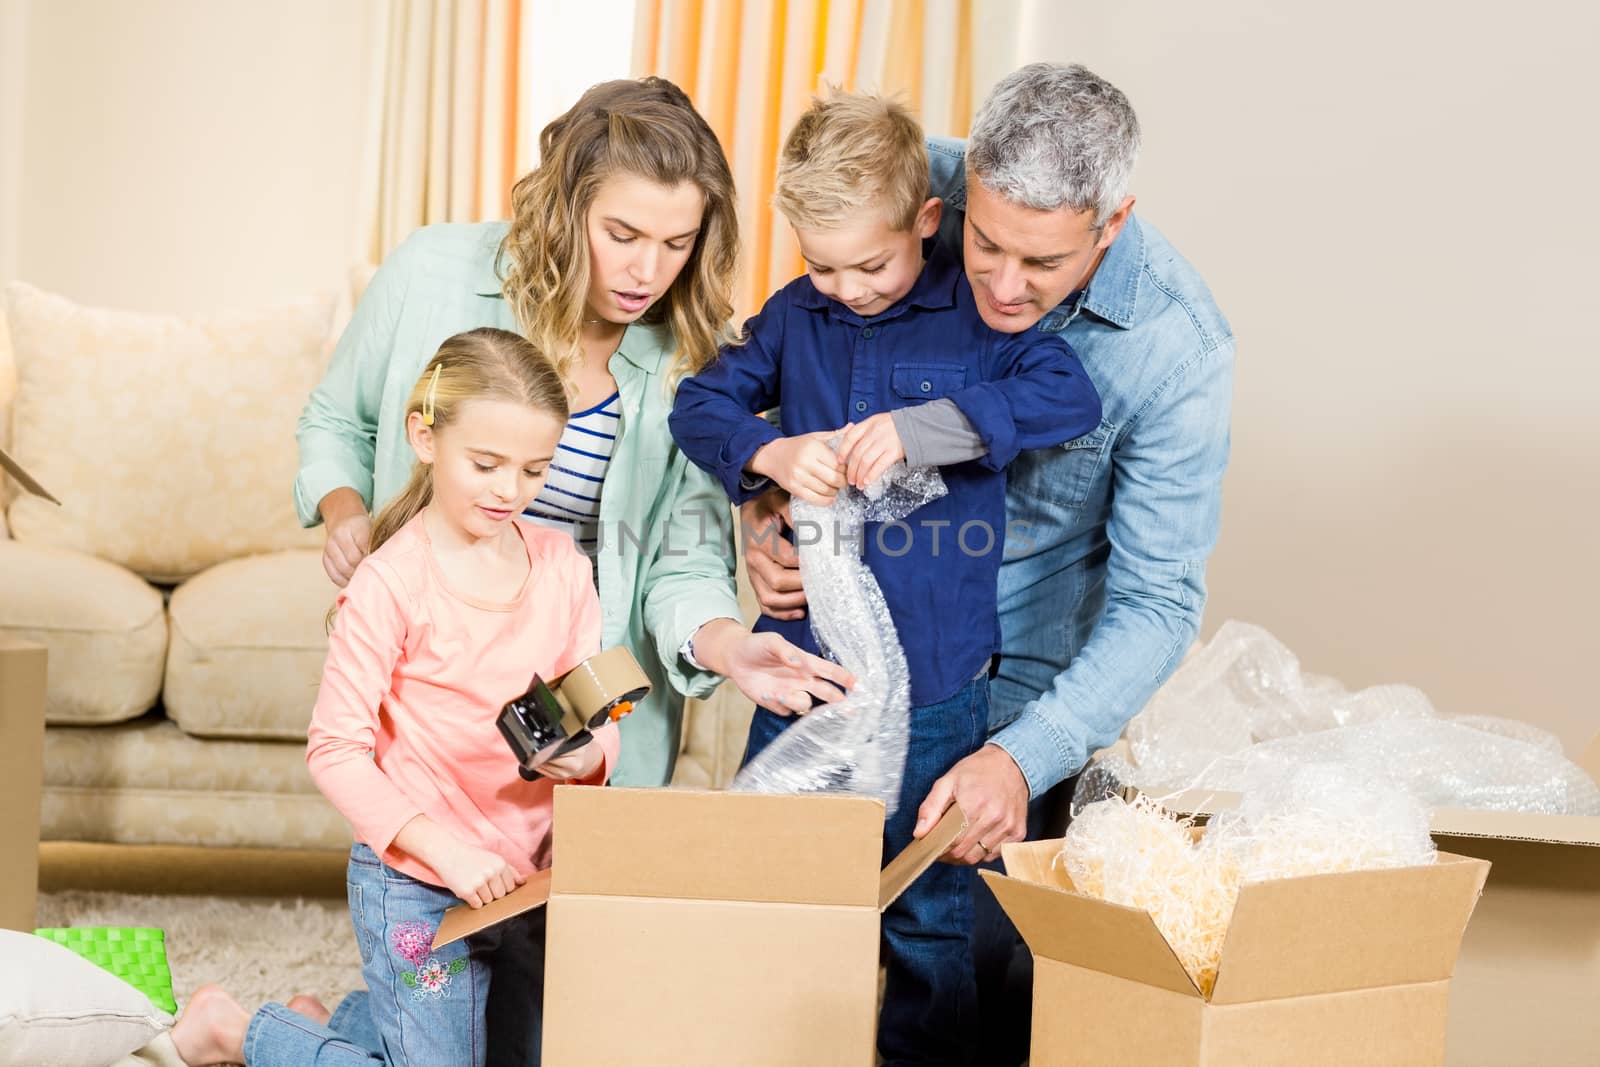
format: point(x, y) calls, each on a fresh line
point(665, 565)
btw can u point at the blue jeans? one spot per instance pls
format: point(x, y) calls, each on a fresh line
point(477, 1002)
point(930, 1000)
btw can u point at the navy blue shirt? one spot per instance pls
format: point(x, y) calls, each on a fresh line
point(827, 366)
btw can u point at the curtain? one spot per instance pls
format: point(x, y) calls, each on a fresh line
point(752, 68)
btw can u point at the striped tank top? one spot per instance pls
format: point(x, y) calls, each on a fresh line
point(570, 499)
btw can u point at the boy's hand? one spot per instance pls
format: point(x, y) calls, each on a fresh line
point(804, 464)
point(869, 448)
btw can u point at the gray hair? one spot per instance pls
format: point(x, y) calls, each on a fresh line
point(1052, 135)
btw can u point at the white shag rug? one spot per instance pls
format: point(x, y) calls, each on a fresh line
point(258, 950)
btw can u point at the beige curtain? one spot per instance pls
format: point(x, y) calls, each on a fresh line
point(752, 67)
point(444, 142)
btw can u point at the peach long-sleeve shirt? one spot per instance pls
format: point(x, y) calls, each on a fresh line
point(416, 675)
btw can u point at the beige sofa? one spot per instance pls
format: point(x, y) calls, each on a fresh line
point(181, 604)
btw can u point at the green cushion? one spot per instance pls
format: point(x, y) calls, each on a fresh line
point(137, 955)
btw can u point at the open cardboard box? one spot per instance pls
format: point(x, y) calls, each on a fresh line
point(1334, 970)
point(22, 693)
point(1527, 986)
point(690, 927)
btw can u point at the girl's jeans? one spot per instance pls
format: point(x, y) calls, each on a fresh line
point(929, 999)
point(475, 1002)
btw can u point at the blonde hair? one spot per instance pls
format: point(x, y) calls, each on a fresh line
point(483, 364)
point(648, 128)
point(850, 153)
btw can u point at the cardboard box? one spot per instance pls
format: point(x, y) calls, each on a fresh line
point(22, 680)
point(691, 927)
point(1527, 985)
point(1325, 971)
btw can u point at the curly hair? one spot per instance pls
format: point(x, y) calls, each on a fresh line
point(648, 128)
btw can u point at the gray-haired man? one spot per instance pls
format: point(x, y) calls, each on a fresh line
point(1107, 536)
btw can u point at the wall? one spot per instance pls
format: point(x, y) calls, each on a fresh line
point(182, 155)
point(1395, 205)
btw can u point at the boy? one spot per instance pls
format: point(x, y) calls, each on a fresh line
point(887, 348)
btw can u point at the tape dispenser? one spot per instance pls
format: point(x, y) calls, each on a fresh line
point(554, 718)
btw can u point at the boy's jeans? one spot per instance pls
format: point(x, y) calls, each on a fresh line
point(474, 1002)
point(930, 1000)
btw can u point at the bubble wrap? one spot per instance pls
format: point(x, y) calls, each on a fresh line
point(1241, 705)
point(856, 745)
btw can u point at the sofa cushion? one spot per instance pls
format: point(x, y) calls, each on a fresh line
point(104, 628)
point(248, 640)
point(148, 783)
point(57, 1008)
point(169, 441)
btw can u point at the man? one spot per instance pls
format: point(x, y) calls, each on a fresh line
point(1107, 536)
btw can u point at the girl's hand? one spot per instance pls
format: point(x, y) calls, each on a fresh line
point(869, 448)
point(574, 765)
point(805, 465)
point(475, 875)
point(782, 678)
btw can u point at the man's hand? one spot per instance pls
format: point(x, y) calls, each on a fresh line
point(770, 560)
point(869, 448)
point(804, 464)
point(990, 788)
point(349, 534)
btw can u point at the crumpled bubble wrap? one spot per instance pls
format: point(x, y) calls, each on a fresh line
point(856, 745)
point(1241, 705)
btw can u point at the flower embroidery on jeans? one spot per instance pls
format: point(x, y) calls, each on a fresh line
point(413, 941)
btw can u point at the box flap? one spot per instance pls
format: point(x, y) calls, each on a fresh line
point(460, 921)
point(23, 478)
point(698, 845)
point(1093, 934)
point(1589, 759)
point(1516, 826)
point(919, 856)
point(1333, 933)
point(1449, 822)
point(1035, 861)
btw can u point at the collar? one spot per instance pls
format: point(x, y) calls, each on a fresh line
point(487, 281)
point(645, 345)
point(1114, 290)
point(934, 290)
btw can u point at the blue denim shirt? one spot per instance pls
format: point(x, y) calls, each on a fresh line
point(1104, 578)
point(828, 366)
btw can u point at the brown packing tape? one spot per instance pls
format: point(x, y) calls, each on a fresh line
point(463, 921)
point(602, 680)
point(919, 856)
point(24, 479)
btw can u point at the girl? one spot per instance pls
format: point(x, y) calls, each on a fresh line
point(618, 263)
point(457, 606)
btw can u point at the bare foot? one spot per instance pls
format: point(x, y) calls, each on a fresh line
point(311, 1008)
point(211, 1029)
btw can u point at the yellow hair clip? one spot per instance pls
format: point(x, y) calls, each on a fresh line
point(430, 397)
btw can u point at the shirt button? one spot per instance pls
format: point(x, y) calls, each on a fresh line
point(927, 387)
point(868, 332)
point(861, 405)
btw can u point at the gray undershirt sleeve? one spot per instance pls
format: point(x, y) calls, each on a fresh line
point(937, 434)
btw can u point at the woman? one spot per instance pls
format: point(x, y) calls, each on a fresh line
point(618, 264)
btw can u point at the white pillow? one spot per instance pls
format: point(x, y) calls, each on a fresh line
point(59, 1010)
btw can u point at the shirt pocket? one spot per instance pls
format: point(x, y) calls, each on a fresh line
point(1072, 469)
point(916, 383)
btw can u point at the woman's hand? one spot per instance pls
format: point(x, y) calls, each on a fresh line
point(804, 464)
point(349, 534)
point(869, 448)
point(768, 669)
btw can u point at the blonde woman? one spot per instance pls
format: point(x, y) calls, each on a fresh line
point(618, 264)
